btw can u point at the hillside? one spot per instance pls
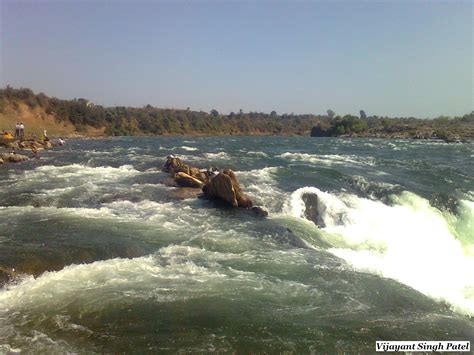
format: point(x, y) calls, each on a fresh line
point(79, 117)
point(36, 120)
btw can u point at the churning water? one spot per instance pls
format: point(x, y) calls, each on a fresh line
point(111, 259)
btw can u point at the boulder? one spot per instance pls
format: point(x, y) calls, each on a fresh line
point(259, 212)
point(311, 211)
point(6, 275)
point(11, 145)
point(224, 186)
point(182, 168)
point(171, 164)
point(185, 180)
point(13, 158)
point(1, 161)
point(28, 145)
point(202, 175)
point(242, 199)
point(220, 187)
point(47, 145)
point(194, 171)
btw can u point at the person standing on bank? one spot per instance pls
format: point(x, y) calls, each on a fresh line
point(22, 130)
point(17, 130)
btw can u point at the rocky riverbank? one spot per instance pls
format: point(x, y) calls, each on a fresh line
point(9, 149)
point(447, 131)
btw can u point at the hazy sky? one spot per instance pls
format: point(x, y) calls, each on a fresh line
point(396, 58)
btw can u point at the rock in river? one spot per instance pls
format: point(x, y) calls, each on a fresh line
point(185, 180)
point(13, 158)
point(224, 186)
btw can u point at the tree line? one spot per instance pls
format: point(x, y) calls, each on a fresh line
point(149, 120)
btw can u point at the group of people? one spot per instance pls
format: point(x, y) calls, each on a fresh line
point(20, 130)
point(20, 133)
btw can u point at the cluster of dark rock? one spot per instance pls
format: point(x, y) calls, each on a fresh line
point(221, 185)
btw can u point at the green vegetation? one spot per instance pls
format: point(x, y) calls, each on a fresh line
point(150, 120)
point(156, 121)
point(445, 128)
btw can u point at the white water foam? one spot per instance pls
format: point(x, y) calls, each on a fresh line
point(410, 241)
point(190, 149)
point(218, 155)
point(174, 273)
point(80, 171)
point(258, 153)
point(261, 186)
point(49, 184)
point(327, 159)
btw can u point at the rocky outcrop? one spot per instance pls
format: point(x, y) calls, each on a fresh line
point(215, 185)
point(185, 175)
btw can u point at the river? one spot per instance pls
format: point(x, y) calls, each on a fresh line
point(110, 259)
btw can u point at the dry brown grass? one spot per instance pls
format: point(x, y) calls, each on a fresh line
point(37, 120)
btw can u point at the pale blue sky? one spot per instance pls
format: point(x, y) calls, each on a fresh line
point(395, 58)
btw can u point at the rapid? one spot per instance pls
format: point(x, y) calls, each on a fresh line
point(366, 239)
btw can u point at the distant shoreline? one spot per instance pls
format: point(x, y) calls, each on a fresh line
point(345, 136)
point(81, 119)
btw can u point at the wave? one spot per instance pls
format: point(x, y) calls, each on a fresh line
point(190, 149)
point(191, 271)
point(218, 155)
point(63, 301)
point(373, 189)
point(60, 185)
point(409, 240)
point(79, 170)
point(258, 153)
point(327, 159)
point(150, 215)
point(261, 185)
